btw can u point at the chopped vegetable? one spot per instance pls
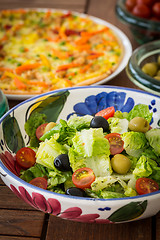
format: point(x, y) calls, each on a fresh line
point(116, 143)
point(39, 182)
point(146, 185)
point(83, 178)
point(79, 158)
point(26, 157)
point(106, 113)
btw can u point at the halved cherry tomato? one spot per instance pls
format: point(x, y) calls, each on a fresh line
point(26, 157)
point(40, 130)
point(83, 177)
point(116, 143)
point(40, 182)
point(106, 113)
point(146, 185)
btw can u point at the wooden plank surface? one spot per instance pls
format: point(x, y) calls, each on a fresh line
point(17, 238)
point(21, 223)
point(157, 227)
point(13, 202)
point(76, 5)
point(85, 231)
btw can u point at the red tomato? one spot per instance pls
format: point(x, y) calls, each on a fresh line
point(146, 185)
point(40, 130)
point(106, 113)
point(83, 177)
point(141, 10)
point(146, 2)
point(130, 4)
point(156, 9)
point(40, 182)
point(116, 143)
point(26, 157)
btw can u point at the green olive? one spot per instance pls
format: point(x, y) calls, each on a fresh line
point(139, 124)
point(150, 68)
point(157, 77)
point(120, 163)
point(49, 126)
point(158, 73)
point(158, 60)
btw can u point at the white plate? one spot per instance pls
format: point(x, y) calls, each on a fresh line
point(127, 49)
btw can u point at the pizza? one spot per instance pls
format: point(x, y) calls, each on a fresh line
point(44, 50)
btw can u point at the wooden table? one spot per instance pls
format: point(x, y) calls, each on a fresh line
point(19, 221)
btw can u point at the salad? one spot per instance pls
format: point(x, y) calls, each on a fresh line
point(113, 154)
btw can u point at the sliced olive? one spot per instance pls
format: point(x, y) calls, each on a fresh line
point(120, 163)
point(99, 122)
point(61, 162)
point(73, 191)
point(150, 68)
point(139, 124)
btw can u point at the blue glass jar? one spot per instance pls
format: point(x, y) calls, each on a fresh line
point(4, 107)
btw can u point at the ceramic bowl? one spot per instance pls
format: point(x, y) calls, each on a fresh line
point(143, 30)
point(146, 53)
point(83, 100)
point(3, 104)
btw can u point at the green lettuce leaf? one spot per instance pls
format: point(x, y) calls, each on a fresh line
point(62, 132)
point(36, 171)
point(134, 143)
point(48, 151)
point(140, 110)
point(144, 167)
point(80, 123)
point(153, 136)
point(91, 142)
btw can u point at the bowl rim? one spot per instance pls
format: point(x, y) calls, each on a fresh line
point(131, 19)
point(32, 187)
point(134, 72)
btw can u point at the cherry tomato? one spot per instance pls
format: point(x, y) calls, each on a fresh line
point(40, 182)
point(156, 9)
point(40, 130)
point(83, 177)
point(130, 4)
point(146, 2)
point(141, 10)
point(106, 113)
point(26, 157)
point(146, 185)
point(116, 143)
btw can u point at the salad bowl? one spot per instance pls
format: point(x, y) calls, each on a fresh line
point(61, 104)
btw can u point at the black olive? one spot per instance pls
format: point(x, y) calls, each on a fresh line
point(99, 122)
point(61, 162)
point(73, 191)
